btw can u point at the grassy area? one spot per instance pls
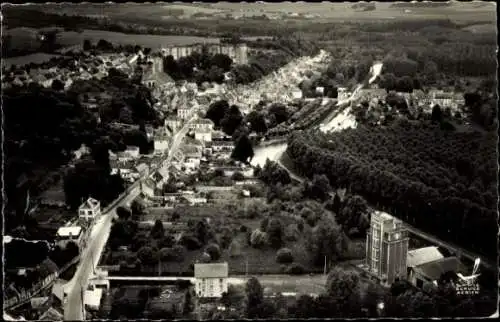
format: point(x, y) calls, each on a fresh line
point(53, 215)
point(263, 261)
point(36, 58)
point(152, 41)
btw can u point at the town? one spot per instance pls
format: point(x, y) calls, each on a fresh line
point(267, 178)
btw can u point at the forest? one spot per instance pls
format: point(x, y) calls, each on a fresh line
point(439, 181)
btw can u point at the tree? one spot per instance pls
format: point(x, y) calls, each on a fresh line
point(238, 176)
point(235, 249)
point(166, 254)
point(123, 213)
point(272, 173)
point(158, 230)
point(190, 242)
point(243, 150)
point(232, 120)
point(214, 251)
point(284, 256)
point(104, 45)
point(326, 240)
point(87, 45)
point(351, 213)
point(318, 188)
point(258, 238)
point(280, 113)
point(304, 308)
point(226, 237)
point(233, 297)
point(343, 286)
point(222, 61)
point(137, 208)
point(147, 255)
point(292, 232)
point(57, 85)
point(216, 111)
point(275, 233)
point(257, 122)
point(437, 114)
point(255, 297)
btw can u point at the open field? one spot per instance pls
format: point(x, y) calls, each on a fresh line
point(482, 28)
point(152, 41)
point(36, 58)
point(337, 11)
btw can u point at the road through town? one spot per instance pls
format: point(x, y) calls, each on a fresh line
point(73, 308)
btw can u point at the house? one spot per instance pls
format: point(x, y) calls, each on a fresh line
point(132, 151)
point(297, 94)
point(202, 125)
point(148, 187)
point(417, 257)
point(83, 150)
point(196, 200)
point(161, 143)
point(431, 272)
point(184, 112)
point(173, 123)
point(211, 279)
point(92, 298)
point(66, 234)
point(142, 169)
point(40, 303)
point(90, 209)
point(203, 135)
point(52, 315)
point(220, 136)
point(192, 156)
point(222, 146)
point(320, 90)
point(123, 167)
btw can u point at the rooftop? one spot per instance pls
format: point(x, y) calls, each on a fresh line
point(423, 255)
point(189, 148)
point(89, 203)
point(383, 215)
point(93, 297)
point(213, 270)
point(204, 121)
point(69, 231)
point(433, 270)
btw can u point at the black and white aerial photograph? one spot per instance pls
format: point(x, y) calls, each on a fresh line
point(249, 160)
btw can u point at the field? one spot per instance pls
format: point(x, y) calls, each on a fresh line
point(337, 11)
point(37, 58)
point(152, 41)
point(482, 28)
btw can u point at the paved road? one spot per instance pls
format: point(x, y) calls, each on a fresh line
point(73, 309)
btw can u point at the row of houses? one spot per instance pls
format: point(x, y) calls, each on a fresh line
point(84, 68)
point(238, 53)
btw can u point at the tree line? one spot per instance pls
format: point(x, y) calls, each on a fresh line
point(198, 67)
point(346, 295)
point(441, 182)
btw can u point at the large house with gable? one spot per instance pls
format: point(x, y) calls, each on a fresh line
point(90, 209)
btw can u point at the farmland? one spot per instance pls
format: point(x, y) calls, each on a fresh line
point(151, 41)
point(460, 12)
